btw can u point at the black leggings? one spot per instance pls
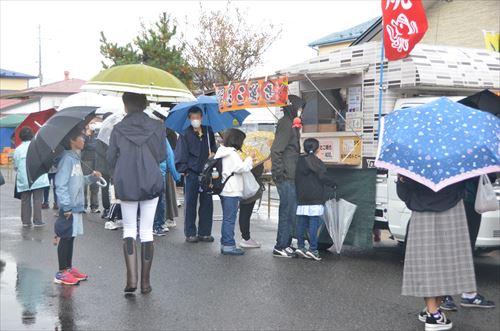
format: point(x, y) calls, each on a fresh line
point(65, 253)
point(244, 219)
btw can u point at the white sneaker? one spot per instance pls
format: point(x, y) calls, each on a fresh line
point(250, 243)
point(109, 225)
point(170, 224)
point(119, 223)
point(179, 203)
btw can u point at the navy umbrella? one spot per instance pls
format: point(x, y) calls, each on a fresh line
point(485, 100)
point(46, 145)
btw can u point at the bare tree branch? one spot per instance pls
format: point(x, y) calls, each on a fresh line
point(226, 47)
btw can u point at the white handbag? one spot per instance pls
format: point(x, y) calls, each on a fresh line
point(250, 185)
point(486, 199)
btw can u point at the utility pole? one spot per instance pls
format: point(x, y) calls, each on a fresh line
point(40, 76)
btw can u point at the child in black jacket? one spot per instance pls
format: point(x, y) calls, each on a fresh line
point(310, 181)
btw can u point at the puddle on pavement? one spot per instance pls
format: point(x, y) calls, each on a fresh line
point(28, 302)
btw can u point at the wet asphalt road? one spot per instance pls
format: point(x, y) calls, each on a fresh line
point(196, 288)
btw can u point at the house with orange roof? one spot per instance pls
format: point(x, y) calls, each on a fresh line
point(39, 98)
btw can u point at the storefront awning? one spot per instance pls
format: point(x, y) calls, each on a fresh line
point(297, 74)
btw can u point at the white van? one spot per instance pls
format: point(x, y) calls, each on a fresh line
point(391, 212)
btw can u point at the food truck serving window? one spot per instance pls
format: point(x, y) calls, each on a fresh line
point(318, 115)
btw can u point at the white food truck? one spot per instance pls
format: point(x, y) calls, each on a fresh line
point(342, 110)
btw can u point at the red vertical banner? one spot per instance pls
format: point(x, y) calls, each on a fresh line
point(404, 25)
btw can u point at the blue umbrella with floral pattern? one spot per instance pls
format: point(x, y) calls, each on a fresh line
point(440, 143)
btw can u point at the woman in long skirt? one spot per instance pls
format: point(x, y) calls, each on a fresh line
point(438, 258)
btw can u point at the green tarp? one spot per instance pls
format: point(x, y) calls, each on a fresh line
point(11, 121)
point(356, 186)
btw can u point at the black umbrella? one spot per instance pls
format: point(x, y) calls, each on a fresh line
point(485, 101)
point(46, 145)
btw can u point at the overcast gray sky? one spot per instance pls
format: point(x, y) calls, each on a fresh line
point(70, 29)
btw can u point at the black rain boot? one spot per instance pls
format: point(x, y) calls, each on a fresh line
point(130, 252)
point(147, 250)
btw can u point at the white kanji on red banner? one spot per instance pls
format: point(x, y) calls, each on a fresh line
point(404, 25)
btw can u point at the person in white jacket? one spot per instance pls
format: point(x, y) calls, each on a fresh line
point(232, 169)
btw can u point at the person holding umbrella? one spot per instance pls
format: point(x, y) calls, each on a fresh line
point(195, 145)
point(70, 183)
point(438, 258)
point(136, 149)
point(435, 148)
point(196, 122)
point(27, 191)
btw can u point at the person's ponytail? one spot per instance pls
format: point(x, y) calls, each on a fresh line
point(311, 145)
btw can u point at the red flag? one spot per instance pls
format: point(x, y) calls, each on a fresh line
point(404, 25)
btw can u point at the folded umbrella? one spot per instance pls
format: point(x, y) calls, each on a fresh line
point(178, 119)
point(439, 143)
point(46, 145)
point(338, 216)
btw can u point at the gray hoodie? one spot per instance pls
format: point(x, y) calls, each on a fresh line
point(136, 148)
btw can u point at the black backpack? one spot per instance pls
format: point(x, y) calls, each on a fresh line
point(207, 183)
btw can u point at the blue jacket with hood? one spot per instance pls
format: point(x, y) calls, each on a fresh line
point(70, 183)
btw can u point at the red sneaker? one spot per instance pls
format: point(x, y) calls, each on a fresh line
point(66, 278)
point(77, 274)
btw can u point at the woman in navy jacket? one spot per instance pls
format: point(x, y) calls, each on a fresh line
point(136, 149)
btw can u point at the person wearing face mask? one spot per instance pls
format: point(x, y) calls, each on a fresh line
point(195, 145)
point(284, 156)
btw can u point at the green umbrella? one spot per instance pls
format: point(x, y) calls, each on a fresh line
point(157, 84)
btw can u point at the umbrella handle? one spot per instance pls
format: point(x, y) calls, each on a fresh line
point(102, 182)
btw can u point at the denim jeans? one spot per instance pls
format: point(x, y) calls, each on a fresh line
point(205, 211)
point(229, 213)
point(287, 213)
point(160, 213)
point(311, 222)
